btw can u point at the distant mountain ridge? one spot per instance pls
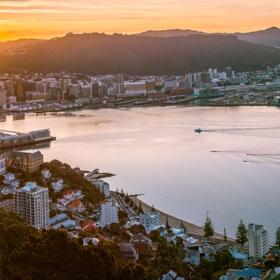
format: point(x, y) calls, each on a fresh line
point(169, 33)
point(20, 45)
point(267, 37)
point(96, 53)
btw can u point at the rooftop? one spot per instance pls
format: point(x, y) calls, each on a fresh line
point(30, 187)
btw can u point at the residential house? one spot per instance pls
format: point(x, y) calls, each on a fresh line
point(238, 255)
point(92, 240)
point(46, 174)
point(58, 185)
point(171, 275)
point(10, 179)
point(150, 220)
point(76, 206)
point(245, 273)
point(192, 256)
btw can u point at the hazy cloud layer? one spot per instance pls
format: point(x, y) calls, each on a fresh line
point(44, 18)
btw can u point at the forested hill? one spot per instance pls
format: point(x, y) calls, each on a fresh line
point(26, 253)
point(102, 54)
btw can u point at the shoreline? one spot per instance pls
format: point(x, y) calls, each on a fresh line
point(129, 106)
point(192, 229)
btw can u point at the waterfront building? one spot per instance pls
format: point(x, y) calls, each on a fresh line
point(109, 214)
point(135, 88)
point(28, 162)
point(2, 164)
point(257, 241)
point(86, 90)
point(32, 204)
point(150, 220)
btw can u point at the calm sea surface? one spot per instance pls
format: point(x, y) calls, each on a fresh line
point(155, 151)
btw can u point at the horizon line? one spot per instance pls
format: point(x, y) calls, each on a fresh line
point(61, 35)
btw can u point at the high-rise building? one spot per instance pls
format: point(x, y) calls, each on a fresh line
point(32, 204)
point(229, 72)
point(109, 214)
point(257, 241)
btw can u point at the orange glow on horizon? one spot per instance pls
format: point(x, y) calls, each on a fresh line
point(50, 18)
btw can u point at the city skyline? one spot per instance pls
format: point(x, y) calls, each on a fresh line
point(46, 19)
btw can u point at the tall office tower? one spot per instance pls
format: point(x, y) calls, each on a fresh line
point(32, 204)
point(257, 241)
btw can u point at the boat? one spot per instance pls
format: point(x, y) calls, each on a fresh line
point(198, 130)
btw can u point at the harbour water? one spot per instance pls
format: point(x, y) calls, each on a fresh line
point(155, 151)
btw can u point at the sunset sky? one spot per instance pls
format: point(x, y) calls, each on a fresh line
point(49, 18)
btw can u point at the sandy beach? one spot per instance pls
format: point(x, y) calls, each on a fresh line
point(192, 229)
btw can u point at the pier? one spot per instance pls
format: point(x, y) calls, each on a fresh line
point(13, 139)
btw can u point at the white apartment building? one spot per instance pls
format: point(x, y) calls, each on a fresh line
point(150, 220)
point(32, 204)
point(257, 241)
point(2, 164)
point(109, 214)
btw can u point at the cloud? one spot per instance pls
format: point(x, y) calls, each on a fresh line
point(47, 17)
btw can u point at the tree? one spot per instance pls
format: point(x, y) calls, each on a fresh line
point(153, 209)
point(122, 216)
point(182, 226)
point(241, 234)
point(140, 209)
point(278, 237)
point(225, 235)
point(167, 224)
point(208, 227)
